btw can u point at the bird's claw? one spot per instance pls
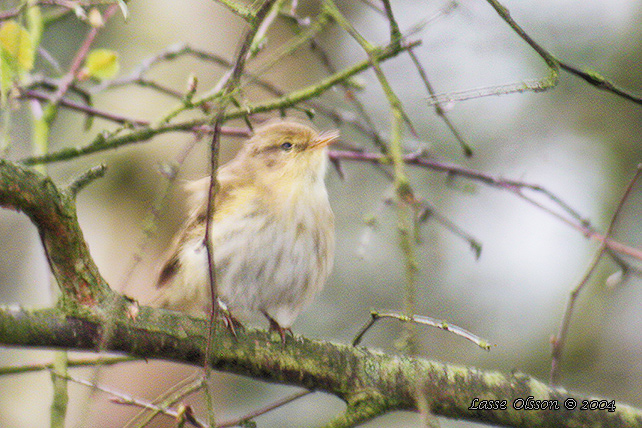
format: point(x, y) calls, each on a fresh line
point(275, 326)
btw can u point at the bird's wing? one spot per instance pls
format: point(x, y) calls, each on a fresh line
point(194, 227)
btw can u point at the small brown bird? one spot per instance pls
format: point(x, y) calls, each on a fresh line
point(272, 230)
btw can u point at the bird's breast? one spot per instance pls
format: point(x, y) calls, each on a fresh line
point(270, 252)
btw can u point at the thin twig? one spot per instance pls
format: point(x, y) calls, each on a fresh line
point(529, 85)
point(76, 362)
point(91, 111)
point(292, 45)
point(600, 82)
point(468, 152)
point(87, 177)
point(164, 408)
point(240, 10)
point(76, 63)
point(175, 51)
point(419, 26)
point(403, 192)
point(60, 395)
point(148, 225)
point(554, 64)
point(369, 129)
point(550, 60)
point(395, 34)
point(164, 403)
point(375, 5)
point(427, 211)
point(107, 142)
point(66, 4)
point(424, 320)
point(417, 159)
point(558, 342)
point(119, 397)
point(228, 85)
point(526, 85)
point(371, 51)
point(577, 222)
point(272, 406)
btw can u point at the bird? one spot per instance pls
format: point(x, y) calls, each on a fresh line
point(271, 230)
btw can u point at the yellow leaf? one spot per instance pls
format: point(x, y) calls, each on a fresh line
point(101, 64)
point(15, 42)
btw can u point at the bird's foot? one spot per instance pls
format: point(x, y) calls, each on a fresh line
point(231, 323)
point(274, 326)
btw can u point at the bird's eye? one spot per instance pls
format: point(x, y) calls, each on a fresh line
point(286, 147)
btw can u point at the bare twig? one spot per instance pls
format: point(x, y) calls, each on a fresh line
point(395, 34)
point(293, 45)
point(529, 85)
point(375, 5)
point(548, 58)
point(420, 319)
point(576, 221)
point(468, 152)
point(107, 142)
point(120, 397)
point(66, 4)
point(91, 111)
point(427, 211)
point(555, 65)
point(76, 362)
point(331, 8)
point(175, 51)
point(369, 129)
point(240, 10)
point(228, 85)
point(164, 403)
point(404, 197)
point(76, 63)
point(272, 406)
point(558, 342)
point(600, 82)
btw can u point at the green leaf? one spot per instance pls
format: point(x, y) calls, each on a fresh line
point(101, 64)
point(15, 43)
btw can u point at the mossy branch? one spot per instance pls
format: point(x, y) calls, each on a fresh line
point(53, 211)
point(371, 383)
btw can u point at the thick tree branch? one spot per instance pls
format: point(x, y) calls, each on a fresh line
point(54, 213)
point(372, 383)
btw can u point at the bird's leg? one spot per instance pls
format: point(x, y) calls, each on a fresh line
point(274, 326)
point(230, 321)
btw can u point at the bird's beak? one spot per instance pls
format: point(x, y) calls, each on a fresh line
point(325, 139)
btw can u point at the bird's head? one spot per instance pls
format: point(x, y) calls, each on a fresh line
point(289, 152)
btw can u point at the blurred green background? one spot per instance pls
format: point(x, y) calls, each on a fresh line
point(576, 141)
